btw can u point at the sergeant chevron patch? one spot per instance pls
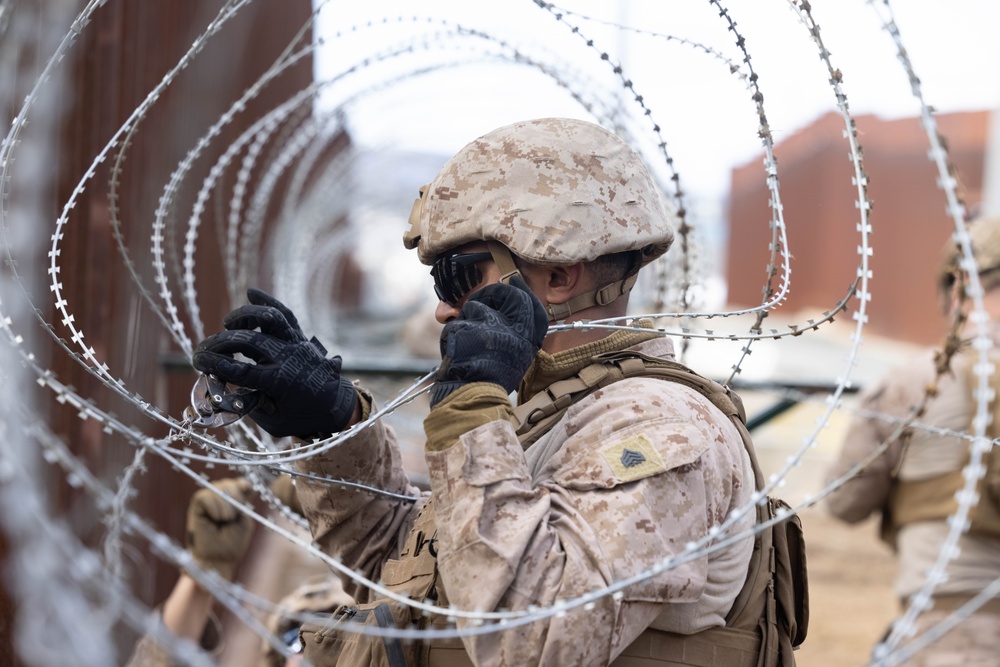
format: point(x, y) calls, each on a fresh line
point(633, 458)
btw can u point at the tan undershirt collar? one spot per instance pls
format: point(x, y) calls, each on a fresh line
point(548, 368)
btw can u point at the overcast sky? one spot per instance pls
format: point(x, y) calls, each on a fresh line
point(444, 90)
point(708, 119)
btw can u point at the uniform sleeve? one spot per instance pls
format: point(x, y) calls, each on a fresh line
point(633, 482)
point(867, 491)
point(360, 528)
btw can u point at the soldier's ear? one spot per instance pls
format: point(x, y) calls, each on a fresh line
point(558, 284)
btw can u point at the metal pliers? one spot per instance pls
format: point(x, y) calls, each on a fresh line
point(215, 403)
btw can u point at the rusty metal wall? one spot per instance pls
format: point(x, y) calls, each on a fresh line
point(119, 59)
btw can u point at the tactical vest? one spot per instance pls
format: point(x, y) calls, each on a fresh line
point(767, 621)
point(933, 499)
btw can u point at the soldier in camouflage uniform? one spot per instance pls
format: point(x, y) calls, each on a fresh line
point(540, 221)
point(913, 484)
point(217, 536)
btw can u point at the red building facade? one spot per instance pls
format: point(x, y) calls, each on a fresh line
point(910, 224)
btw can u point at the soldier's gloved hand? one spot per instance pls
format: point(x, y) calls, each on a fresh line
point(300, 391)
point(218, 533)
point(494, 339)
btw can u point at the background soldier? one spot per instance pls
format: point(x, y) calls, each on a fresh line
point(217, 535)
point(913, 484)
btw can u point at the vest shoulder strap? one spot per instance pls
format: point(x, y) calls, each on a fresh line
point(536, 416)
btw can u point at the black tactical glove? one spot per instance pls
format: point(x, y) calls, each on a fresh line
point(494, 339)
point(299, 391)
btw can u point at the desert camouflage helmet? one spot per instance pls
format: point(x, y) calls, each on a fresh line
point(553, 191)
point(984, 234)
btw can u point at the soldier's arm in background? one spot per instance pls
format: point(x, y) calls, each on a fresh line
point(217, 537)
point(867, 491)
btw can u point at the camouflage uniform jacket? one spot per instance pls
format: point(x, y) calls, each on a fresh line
point(515, 529)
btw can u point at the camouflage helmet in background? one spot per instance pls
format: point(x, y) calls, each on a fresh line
point(984, 234)
point(553, 191)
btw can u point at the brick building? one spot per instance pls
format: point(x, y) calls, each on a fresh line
point(909, 218)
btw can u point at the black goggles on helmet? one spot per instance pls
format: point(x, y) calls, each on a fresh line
point(456, 275)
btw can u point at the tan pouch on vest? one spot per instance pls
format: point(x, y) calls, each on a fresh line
point(334, 643)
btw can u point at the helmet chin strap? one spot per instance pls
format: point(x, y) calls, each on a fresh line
point(560, 311)
point(504, 260)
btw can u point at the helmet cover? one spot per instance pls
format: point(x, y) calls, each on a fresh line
point(555, 191)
